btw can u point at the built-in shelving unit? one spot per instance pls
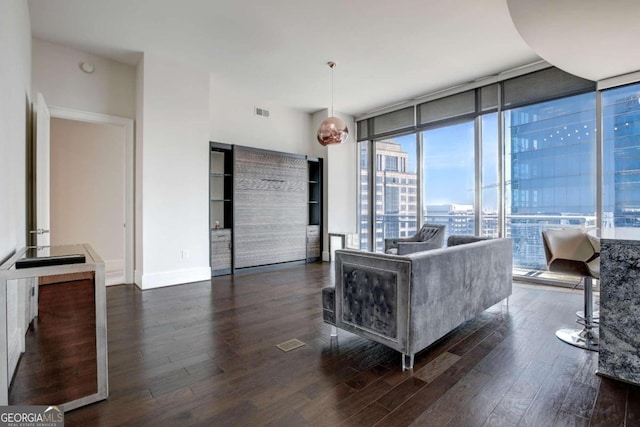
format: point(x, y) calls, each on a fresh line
point(265, 208)
point(221, 207)
point(314, 208)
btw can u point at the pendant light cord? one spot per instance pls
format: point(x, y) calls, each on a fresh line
point(331, 65)
point(332, 89)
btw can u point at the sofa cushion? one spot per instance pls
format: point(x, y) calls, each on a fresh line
point(455, 240)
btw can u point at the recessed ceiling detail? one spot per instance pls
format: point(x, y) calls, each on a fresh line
point(592, 39)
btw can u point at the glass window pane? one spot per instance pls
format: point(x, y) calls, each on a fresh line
point(449, 178)
point(363, 201)
point(550, 173)
point(621, 160)
point(490, 176)
point(396, 183)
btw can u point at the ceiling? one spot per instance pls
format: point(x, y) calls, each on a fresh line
point(276, 51)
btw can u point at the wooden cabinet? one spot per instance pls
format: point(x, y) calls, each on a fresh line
point(314, 252)
point(221, 252)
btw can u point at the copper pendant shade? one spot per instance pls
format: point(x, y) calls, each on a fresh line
point(332, 130)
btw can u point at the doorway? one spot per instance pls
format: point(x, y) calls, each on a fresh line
point(91, 182)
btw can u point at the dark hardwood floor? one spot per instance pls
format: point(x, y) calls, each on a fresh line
point(204, 354)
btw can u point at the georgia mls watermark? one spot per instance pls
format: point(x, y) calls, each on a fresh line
point(31, 416)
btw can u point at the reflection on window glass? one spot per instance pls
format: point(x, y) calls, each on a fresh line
point(490, 176)
point(550, 173)
point(621, 160)
point(363, 210)
point(396, 172)
point(449, 178)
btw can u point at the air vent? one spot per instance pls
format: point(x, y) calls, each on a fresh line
point(262, 112)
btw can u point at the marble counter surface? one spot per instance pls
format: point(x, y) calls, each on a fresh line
point(620, 306)
point(618, 233)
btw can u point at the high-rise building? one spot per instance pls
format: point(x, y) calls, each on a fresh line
point(622, 143)
point(552, 164)
point(458, 219)
point(395, 194)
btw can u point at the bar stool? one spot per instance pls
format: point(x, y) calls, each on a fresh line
point(571, 251)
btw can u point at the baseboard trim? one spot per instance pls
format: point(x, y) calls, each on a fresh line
point(114, 272)
point(173, 277)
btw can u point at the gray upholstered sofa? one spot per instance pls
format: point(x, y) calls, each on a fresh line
point(409, 302)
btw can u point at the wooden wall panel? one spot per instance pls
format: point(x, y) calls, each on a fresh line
point(270, 208)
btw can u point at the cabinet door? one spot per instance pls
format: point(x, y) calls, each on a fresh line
point(220, 250)
point(313, 242)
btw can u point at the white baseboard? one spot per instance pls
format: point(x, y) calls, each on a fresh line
point(326, 257)
point(114, 272)
point(173, 277)
point(14, 349)
point(114, 279)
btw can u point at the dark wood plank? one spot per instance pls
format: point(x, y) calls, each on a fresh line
point(520, 396)
point(633, 406)
point(368, 416)
point(610, 404)
point(547, 404)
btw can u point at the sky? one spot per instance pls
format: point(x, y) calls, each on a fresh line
point(449, 162)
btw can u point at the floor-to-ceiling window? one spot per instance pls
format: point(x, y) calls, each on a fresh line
point(395, 188)
point(449, 177)
point(490, 224)
point(511, 159)
point(550, 182)
point(363, 196)
point(621, 157)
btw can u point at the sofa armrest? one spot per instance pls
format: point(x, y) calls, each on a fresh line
point(394, 242)
point(372, 296)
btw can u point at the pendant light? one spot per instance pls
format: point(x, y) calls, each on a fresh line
point(332, 130)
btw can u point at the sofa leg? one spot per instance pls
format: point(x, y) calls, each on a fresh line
point(334, 332)
point(407, 362)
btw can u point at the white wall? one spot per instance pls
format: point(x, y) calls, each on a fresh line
point(139, 226)
point(88, 189)
point(343, 181)
point(341, 178)
point(110, 89)
point(15, 84)
point(173, 154)
point(232, 121)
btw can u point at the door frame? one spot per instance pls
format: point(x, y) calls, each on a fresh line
point(127, 126)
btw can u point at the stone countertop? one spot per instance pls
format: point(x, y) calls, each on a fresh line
point(620, 306)
point(618, 233)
